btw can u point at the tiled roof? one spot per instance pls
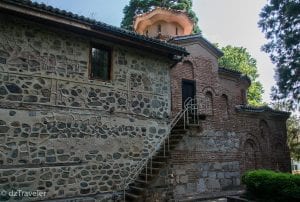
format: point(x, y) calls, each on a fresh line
point(96, 24)
point(204, 41)
point(235, 73)
point(248, 108)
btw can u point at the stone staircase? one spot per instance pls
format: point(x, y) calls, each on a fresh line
point(186, 117)
point(137, 189)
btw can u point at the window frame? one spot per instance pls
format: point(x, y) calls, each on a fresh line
point(110, 60)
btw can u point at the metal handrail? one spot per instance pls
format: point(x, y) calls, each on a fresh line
point(188, 105)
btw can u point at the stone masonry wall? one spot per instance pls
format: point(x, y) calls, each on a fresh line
point(63, 133)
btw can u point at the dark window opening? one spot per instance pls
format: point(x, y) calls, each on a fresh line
point(176, 30)
point(159, 28)
point(100, 63)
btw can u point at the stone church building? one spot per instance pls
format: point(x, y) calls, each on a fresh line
point(92, 112)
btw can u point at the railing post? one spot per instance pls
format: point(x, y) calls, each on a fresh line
point(146, 170)
point(151, 165)
point(164, 148)
point(168, 142)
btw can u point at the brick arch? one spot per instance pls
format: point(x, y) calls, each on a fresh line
point(250, 154)
point(188, 69)
point(278, 151)
point(209, 88)
point(264, 129)
point(250, 150)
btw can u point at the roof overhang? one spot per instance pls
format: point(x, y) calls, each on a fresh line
point(60, 19)
point(198, 38)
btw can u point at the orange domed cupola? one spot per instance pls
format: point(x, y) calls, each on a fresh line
point(163, 23)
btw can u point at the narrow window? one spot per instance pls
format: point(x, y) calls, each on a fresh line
point(100, 63)
point(225, 106)
point(209, 103)
point(176, 30)
point(244, 97)
point(159, 28)
point(147, 33)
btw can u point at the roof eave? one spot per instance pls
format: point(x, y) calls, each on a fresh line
point(217, 52)
point(92, 27)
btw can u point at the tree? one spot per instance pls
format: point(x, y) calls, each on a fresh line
point(280, 21)
point(136, 7)
point(237, 58)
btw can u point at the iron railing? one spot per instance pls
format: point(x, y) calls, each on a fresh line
point(189, 116)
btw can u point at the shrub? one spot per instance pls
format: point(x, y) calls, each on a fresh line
point(266, 185)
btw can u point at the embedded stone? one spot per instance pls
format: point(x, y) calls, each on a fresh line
point(84, 184)
point(46, 92)
point(152, 130)
point(4, 129)
point(30, 98)
point(15, 97)
point(74, 93)
point(3, 91)
point(48, 184)
point(8, 172)
point(161, 131)
point(63, 157)
point(155, 104)
point(92, 94)
point(122, 101)
point(13, 88)
point(135, 103)
point(117, 155)
point(85, 191)
point(46, 176)
point(51, 159)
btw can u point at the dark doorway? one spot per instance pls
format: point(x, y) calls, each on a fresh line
point(188, 90)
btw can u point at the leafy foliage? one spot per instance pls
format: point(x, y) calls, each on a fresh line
point(280, 21)
point(136, 7)
point(237, 58)
point(266, 185)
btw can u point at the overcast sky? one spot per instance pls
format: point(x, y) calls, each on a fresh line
point(227, 22)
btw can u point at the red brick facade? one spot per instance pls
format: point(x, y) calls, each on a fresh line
point(231, 139)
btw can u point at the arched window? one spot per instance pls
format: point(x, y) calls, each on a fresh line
point(209, 103)
point(159, 28)
point(225, 106)
point(243, 97)
point(250, 149)
point(264, 129)
point(176, 30)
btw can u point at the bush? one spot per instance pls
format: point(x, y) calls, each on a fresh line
point(265, 185)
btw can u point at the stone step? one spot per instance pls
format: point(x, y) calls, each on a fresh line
point(132, 196)
point(137, 189)
point(142, 182)
point(142, 176)
point(178, 131)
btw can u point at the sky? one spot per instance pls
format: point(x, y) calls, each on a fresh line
point(226, 22)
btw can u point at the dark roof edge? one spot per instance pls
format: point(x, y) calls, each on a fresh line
point(248, 108)
point(204, 41)
point(235, 73)
point(97, 25)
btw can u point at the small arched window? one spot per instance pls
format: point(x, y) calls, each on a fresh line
point(243, 97)
point(225, 106)
point(176, 30)
point(159, 28)
point(209, 103)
